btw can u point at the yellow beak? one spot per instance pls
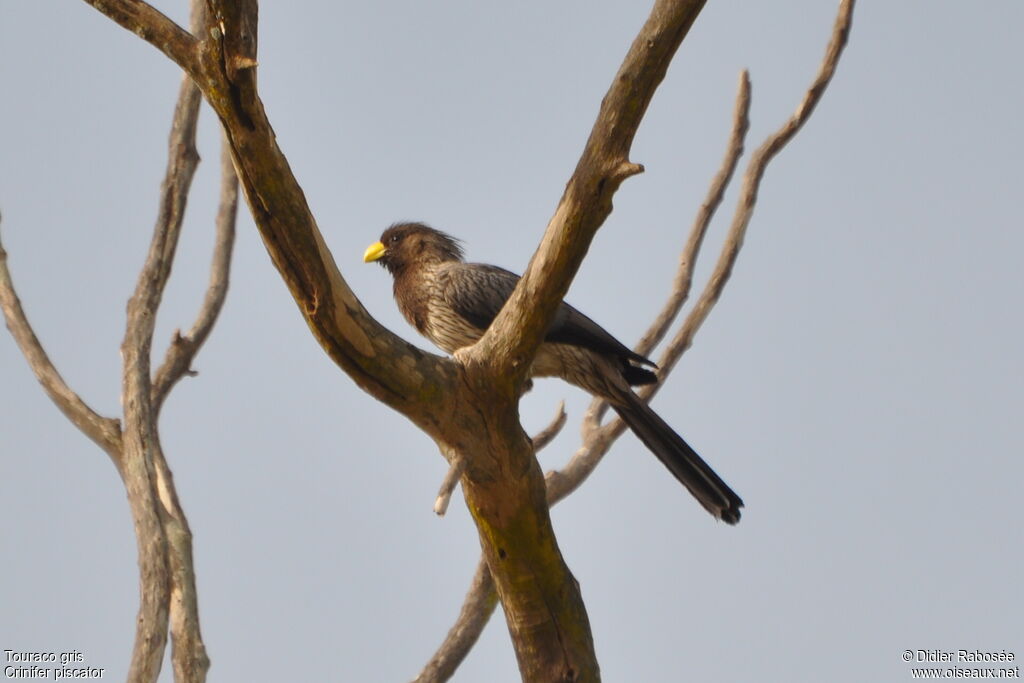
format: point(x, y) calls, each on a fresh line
point(374, 252)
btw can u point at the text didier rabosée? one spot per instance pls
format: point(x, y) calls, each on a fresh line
point(963, 656)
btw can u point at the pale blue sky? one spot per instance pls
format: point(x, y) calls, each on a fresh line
point(859, 384)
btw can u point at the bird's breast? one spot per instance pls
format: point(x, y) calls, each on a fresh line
point(412, 299)
point(419, 294)
point(448, 329)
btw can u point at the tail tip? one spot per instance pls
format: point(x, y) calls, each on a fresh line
point(730, 515)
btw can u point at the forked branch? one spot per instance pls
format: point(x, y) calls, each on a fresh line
point(178, 360)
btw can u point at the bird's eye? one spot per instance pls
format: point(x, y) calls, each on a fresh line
point(393, 239)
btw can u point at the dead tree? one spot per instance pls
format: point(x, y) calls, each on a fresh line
point(467, 405)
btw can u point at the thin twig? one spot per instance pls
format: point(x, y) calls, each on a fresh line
point(104, 431)
point(178, 360)
point(477, 608)
point(448, 484)
point(545, 436)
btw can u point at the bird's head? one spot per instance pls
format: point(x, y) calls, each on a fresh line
point(406, 244)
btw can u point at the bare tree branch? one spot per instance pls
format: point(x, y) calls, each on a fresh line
point(188, 654)
point(545, 436)
point(155, 28)
point(104, 431)
point(448, 484)
point(140, 482)
point(183, 349)
point(141, 440)
point(480, 599)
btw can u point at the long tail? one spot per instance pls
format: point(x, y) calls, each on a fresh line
point(688, 467)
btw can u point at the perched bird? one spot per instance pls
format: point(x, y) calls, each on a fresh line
point(452, 303)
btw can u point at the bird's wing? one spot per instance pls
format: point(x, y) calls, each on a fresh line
point(572, 327)
point(477, 292)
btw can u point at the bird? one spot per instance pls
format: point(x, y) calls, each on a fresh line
point(452, 303)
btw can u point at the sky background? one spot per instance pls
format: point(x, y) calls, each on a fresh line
point(859, 384)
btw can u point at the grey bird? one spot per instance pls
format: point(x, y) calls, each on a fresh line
point(452, 303)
